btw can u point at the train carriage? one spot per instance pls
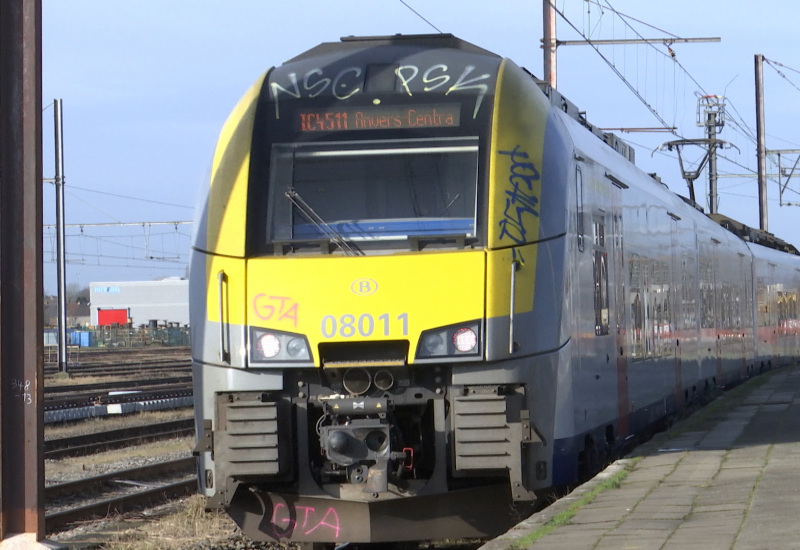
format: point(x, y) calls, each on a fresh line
point(424, 289)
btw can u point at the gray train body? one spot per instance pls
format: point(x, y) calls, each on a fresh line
point(433, 379)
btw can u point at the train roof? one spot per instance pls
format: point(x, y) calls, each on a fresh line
point(443, 40)
point(753, 235)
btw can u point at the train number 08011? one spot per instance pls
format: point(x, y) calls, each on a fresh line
point(365, 325)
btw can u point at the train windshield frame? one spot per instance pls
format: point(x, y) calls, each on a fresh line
point(374, 193)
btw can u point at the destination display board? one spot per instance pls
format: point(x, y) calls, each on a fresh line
point(378, 117)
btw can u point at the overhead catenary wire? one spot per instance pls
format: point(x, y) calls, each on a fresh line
point(775, 65)
point(625, 18)
point(129, 197)
point(623, 15)
point(615, 69)
point(634, 88)
point(736, 120)
point(112, 249)
point(421, 16)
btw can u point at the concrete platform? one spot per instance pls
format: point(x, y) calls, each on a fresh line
point(727, 478)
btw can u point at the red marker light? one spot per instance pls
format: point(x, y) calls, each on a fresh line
point(465, 339)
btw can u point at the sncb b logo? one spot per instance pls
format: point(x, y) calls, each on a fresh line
point(364, 287)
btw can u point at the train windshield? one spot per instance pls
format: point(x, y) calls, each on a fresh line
point(361, 191)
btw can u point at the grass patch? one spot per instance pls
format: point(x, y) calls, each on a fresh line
point(564, 517)
point(177, 531)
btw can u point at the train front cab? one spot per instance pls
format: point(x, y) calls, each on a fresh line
point(404, 392)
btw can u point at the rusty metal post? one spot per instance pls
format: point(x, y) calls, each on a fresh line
point(21, 364)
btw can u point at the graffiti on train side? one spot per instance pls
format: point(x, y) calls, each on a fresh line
point(521, 212)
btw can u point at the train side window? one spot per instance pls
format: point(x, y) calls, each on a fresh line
point(637, 267)
point(600, 276)
point(579, 206)
point(707, 307)
point(761, 300)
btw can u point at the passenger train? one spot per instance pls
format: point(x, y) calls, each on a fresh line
point(425, 289)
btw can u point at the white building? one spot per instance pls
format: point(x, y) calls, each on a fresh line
point(144, 302)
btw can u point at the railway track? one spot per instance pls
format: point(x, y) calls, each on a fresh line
point(117, 492)
point(85, 399)
point(122, 395)
point(128, 381)
point(125, 369)
point(136, 383)
point(86, 444)
point(116, 361)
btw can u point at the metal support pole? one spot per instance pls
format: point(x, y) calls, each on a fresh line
point(761, 147)
point(712, 162)
point(21, 362)
point(60, 238)
point(549, 43)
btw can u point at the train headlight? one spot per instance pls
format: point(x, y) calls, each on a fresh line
point(273, 346)
point(459, 340)
point(297, 348)
point(465, 340)
point(433, 344)
point(268, 346)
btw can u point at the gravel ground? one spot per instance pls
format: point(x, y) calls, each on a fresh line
point(71, 468)
point(179, 525)
point(183, 524)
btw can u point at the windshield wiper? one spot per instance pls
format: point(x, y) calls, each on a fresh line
point(315, 219)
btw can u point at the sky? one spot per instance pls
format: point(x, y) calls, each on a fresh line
point(147, 85)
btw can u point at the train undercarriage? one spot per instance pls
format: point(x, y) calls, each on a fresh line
point(377, 454)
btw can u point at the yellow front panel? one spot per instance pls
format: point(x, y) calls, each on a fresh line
point(348, 299)
point(230, 293)
point(227, 201)
point(518, 128)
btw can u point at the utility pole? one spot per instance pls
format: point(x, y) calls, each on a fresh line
point(713, 201)
point(61, 239)
point(761, 146)
point(711, 114)
point(549, 43)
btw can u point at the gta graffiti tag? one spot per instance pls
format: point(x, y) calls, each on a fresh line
point(278, 308)
point(307, 519)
